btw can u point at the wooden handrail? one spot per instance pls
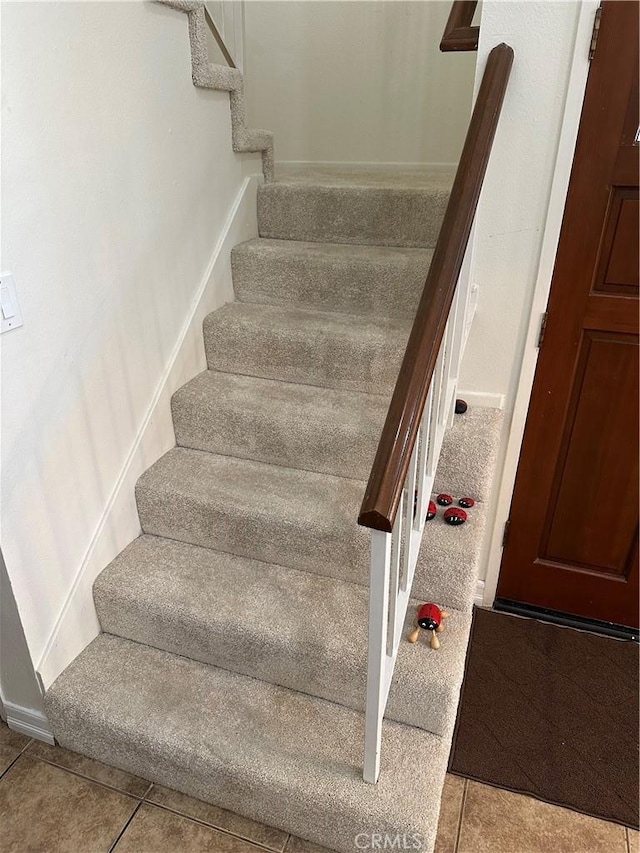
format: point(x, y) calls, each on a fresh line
point(458, 32)
point(386, 482)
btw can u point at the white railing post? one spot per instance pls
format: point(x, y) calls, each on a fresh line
point(424, 484)
point(434, 421)
point(377, 666)
point(396, 618)
point(411, 532)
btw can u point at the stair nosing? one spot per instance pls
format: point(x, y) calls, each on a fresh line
point(118, 598)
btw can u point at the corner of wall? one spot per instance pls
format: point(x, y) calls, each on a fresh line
point(20, 690)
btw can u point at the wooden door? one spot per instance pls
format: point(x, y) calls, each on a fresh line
point(572, 543)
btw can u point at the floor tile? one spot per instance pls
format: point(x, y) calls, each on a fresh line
point(634, 840)
point(95, 770)
point(496, 821)
point(450, 807)
point(44, 808)
point(155, 830)
point(275, 839)
point(11, 745)
point(299, 845)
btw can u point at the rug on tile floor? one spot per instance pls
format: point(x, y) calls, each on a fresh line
point(551, 712)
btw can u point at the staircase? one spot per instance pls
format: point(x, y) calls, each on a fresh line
point(233, 659)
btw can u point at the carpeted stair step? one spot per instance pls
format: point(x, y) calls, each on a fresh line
point(370, 280)
point(356, 207)
point(296, 426)
point(271, 754)
point(469, 453)
point(292, 628)
point(311, 347)
point(280, 515)
point(450, 557)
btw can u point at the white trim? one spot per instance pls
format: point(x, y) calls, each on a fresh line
point(555, 210)
point(77, 623)
point(237, 17)
point(478, 598)
point(365, 164)
point(28, 722)
point(486, 399)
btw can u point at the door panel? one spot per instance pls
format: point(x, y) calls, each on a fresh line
point(616, 270)
point(573, 537)
point(596, 484)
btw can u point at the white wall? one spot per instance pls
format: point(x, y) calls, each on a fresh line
point(356, 81)
point(117, 180)
point(511, 215)
point(520, 213)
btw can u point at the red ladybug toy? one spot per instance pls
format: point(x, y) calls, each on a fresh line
point(466, 503)
point(429, 618)
point(431, 510)
point(455, 516)
point(444, 500)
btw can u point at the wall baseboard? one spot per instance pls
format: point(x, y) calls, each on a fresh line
point(28, 722)
point(485, 399)
point(77, 624)
point(478, 598)
point(435, 167)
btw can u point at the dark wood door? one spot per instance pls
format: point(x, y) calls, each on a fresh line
point(572, 542)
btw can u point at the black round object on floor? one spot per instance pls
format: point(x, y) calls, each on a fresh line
point(461, 407)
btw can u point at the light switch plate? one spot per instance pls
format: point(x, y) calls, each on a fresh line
point(10, 314)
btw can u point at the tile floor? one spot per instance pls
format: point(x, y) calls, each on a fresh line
point(54, 801)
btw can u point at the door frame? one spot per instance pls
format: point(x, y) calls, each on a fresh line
point(576, 88)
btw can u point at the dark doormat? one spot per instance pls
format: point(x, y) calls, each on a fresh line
point(551, 712)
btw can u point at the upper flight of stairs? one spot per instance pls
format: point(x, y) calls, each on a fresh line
point(232, 662)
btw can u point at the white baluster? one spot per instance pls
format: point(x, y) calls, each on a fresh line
point(411, 536)
point(434, 423)
point(424, 486)
point(444, 379)
point(394, 582)
point(377, 666)
point(462, 306)
point(452, 361)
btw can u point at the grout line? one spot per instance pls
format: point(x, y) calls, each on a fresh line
point(628, 840)
point(142, 799)
point(10, 765)
point(125, 827)
point(221, 829)
point(90, 778)
point(461, 815)
point(6, 770)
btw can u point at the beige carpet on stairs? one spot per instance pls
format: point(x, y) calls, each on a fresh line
point(232, 661)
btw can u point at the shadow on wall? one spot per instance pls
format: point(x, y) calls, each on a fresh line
point(18, 684)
